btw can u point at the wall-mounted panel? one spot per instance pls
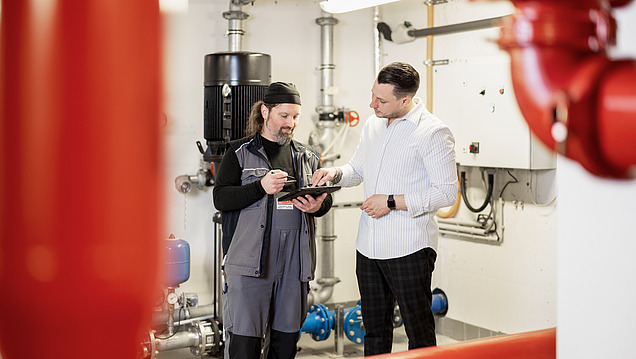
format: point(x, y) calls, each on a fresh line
point(488, 126)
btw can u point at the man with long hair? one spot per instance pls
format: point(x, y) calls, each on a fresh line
point(268, 245)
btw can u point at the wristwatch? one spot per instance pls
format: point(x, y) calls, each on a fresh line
point(390, 202)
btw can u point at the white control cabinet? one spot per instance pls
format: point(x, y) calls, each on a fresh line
point(476, 99)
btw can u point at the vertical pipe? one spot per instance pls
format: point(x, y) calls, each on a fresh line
point(327, 238)
point(234, 36)
point(429, 58)
point(327, 241)
point(377, 41)
point(235, 31)
point(339, 328)
point(79, 175)
point(326, 22)
point(326, 124)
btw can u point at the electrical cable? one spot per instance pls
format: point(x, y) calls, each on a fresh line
point(491, 216)
point(507, 183)
point(491, 179)
point(177, 327)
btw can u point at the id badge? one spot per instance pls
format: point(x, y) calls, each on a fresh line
point(284, 205)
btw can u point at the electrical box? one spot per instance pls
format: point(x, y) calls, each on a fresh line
point(476, 99)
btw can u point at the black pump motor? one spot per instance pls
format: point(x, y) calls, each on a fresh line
point(233, 82)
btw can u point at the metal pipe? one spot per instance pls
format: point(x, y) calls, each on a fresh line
point(327, 67)
point(178, 340)
point(339, 314)
point(540, 344)
point(461, 27)
point(465, 230)
point(377, 41)
point(235, 17)
point(326, 129)
point(191, 313)
point(218, 260)
point(479, 238)
point(458, 222)
point(429, 58)
point(327, 238)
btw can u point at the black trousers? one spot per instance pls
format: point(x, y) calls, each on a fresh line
point(406, 280)
point(281, 346)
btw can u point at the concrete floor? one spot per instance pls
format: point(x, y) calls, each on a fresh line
point(311, 349)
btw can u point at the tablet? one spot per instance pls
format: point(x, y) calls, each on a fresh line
point(313, 191)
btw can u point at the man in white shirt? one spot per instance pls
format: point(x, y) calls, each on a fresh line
point(406, 159)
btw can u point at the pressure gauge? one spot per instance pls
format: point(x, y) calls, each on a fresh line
point(172, 298)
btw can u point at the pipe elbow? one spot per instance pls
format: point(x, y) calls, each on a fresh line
point(575, 99)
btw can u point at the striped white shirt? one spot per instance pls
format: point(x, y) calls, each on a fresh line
point(414, 156)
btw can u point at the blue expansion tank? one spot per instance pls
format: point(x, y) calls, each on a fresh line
point(176, 255)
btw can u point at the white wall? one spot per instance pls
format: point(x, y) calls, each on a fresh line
point(511, 287)
point(597, 271)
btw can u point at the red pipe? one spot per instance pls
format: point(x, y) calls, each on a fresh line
point(540, 344)
point(574, 98)
point(79, 169)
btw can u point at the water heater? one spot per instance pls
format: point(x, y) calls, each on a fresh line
point(233, 82)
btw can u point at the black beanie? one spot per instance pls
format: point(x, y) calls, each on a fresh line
point(282, 92)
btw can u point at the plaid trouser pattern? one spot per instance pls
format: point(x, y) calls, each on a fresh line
point(408, 280)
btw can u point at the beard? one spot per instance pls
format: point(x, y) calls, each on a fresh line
point(387, 115)
point(282, 138)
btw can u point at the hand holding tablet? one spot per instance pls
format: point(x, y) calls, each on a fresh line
point(312, 191)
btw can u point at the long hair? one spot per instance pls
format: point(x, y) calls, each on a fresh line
point(256, 121)
point(404, 77)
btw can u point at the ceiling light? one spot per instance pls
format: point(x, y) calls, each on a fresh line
point(340, 6)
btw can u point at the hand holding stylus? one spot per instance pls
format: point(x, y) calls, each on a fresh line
point(274, 181)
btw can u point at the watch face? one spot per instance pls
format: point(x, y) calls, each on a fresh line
point(391, 202)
